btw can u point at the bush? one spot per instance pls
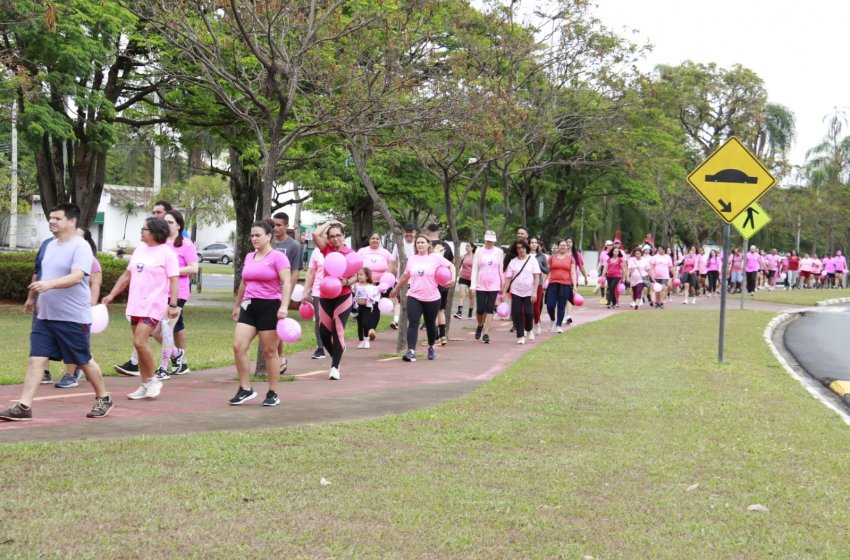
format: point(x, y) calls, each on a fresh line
point(16, 274)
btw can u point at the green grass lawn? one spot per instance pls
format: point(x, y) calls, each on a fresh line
point(210, 340)
point(798, 297)
point(216, 268)
point(620, 439)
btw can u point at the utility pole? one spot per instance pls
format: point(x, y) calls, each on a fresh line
point(157, 156)
point(13, 219)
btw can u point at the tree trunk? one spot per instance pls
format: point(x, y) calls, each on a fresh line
point(362, 221)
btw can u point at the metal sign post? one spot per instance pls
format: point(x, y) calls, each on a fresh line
point(724, 275)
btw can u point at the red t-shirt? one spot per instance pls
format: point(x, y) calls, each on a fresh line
point(559, 269)
point(793, 263)
point(344, 250)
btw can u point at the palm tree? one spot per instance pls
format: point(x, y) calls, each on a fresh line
point(776, 131)
point(128, 211)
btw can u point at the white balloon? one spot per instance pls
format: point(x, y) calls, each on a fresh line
point(297, 293)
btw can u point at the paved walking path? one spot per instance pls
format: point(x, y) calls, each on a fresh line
point(370, 386)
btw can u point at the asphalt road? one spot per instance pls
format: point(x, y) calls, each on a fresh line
point(818, 341)
point(217, 281)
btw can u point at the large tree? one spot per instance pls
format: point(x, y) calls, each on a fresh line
point(77, 69)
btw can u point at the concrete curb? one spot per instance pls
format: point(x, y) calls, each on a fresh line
point(808, 382)
point(835, 301)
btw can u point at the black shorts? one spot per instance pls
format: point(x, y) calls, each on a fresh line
point(771, 274)
point(465, 282)
point(179, 326)
point(259, 313)
point(485, 302)
point(444, 297)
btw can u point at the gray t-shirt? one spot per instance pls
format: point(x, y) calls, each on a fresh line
point(66, 304)
point(292, 250)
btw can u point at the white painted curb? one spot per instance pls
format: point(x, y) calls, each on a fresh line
point(809, 383)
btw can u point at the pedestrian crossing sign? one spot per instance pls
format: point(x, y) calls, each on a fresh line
point(750, 221)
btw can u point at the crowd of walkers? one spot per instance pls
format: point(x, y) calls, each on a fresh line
point(519, 280)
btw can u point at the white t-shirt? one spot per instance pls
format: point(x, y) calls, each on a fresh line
point(522, 273)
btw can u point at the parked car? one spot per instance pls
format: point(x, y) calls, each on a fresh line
point(217, 252)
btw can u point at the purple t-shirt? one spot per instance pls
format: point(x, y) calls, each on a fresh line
point(66, 304)
point(186, 255)
point(262, 276)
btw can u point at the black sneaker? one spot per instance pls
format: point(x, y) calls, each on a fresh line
point(16, 414)
point(319, 354)
point(162, 374)
point(409, 356)
point(243, 395)
point(178, 364)
point(486, 339)
point(458, 315)
point(478, 330)
point(271, 399)
point(46, 379)
point(128, 368)
point(569, 320)
point(102, 406)
point(394, 326)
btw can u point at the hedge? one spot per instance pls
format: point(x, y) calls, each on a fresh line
point(16, 274)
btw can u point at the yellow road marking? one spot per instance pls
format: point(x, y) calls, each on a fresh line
point(309, 373)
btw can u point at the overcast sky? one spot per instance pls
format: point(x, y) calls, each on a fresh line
point(797, 48)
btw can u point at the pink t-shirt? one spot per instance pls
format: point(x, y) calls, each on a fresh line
point(828, 265)
point(377, 260)
point(490, 275)
point(186, 255)
point(712, 264)
point(840, 263)
point(150, 270)
point(317, 263)
point(423, 285)
point(343, 250)
point(638, 268)
point(753, 261)
point(661, 267)
point(806, 264)
point(689, 263)
point(615, 267)
point(466, 267)
point(523, 285)
point(737, 263)
point(262, 277)
point(95, 265)
point(773, 262)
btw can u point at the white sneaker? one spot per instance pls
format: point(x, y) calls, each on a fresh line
point(693, 301)
point(361, 345)
point(686, 301)
point(538, 329)
point(520, 340)
point(366, 344)
point(334, 374)
point(531, 335)
point(138, 393)
point(559, 330)
point(153, 387)
point(551, 327)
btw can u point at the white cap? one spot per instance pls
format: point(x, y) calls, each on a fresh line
point(609, 242)
point(490, 235)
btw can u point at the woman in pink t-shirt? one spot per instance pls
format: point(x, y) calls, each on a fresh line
point(712, 272)
point(378, 260)
point(334, 312)
point(464, 281)
point(638, 267)
point(614, 270)
point(423, 297)
point(522, 276)
point(315, 274)
point(187, 260)
point(486, 283)
point(261, 301)
point(690, 275)
point(660, 271)
point(152, 276)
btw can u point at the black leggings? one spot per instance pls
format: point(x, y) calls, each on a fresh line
point(375, 315)
point(613, 294)
point(415, 310)
point(485, 302)
point(522, 314)
point(751, 281)
point(333, 314)
point(713, 275)
point(364, 321)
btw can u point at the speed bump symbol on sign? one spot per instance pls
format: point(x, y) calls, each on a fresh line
point(731, 179)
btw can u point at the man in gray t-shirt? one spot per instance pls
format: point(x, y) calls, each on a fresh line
point(64, 316)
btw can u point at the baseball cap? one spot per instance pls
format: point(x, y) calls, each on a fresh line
point(608, 242)
point(490, 235)
point(409, 227)
point(616, 242)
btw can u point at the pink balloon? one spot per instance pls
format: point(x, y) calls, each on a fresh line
point(443, 275)
point(335, 264)
point(578, 301)
point(288, 330)
point(503, 309)
point(677, 282)
point(99, 318)
point(621, 288)
point(353, 264)
point(385, 305)
point(387, 279)
point(601, 281)
point(383, 287)
point(306, 311)
point(330, 286)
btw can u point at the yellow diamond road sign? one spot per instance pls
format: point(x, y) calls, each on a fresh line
point(750, 221)
point(731, 179)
